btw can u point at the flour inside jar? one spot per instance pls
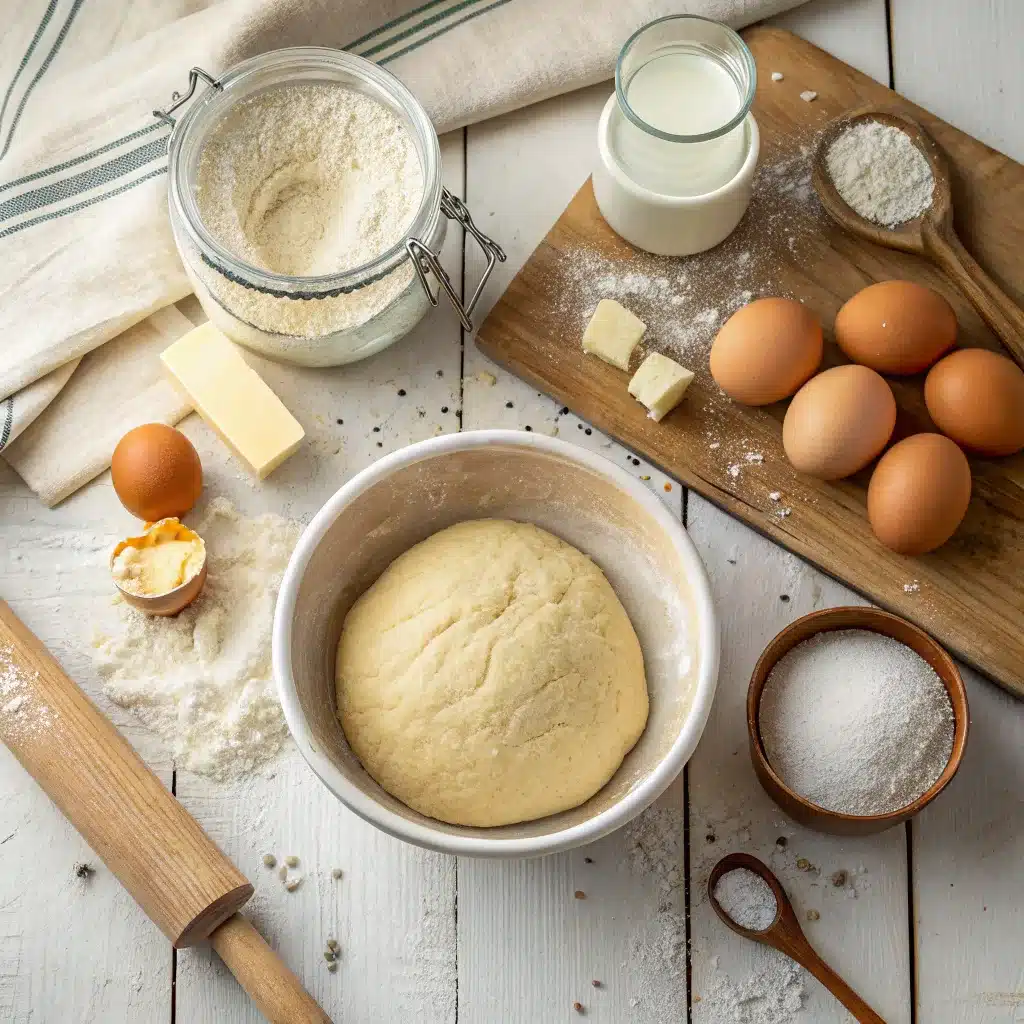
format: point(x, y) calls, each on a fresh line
point(308, 180)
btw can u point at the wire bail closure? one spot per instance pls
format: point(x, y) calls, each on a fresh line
point(177, 100)
point(425, 259)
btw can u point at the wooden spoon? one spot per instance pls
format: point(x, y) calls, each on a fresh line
point(931, 235)
point(785, 934)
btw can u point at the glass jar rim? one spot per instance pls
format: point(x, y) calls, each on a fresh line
point(746, 100)
point(182, 194)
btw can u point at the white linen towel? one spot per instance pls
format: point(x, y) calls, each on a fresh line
point(86, 250)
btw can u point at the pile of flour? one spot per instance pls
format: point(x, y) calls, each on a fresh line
point(879, 171)
point(308, 180)
point(202, 680)
point(747, 898)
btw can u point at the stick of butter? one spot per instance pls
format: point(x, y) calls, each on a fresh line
point(659, 383)
point(233, 399)
point(613, 333)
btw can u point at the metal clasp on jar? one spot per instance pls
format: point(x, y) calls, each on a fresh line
point(177, 100)
point(425, 259)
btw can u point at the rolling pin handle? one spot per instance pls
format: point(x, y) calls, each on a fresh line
point(275, 990)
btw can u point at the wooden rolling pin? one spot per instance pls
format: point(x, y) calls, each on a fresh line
point(155, 847)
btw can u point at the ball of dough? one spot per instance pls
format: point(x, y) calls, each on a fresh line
point(491, 676)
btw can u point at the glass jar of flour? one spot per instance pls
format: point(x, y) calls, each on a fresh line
point(307, 206)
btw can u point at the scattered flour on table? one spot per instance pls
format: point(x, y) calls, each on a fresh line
point(856, 722)
point(657, 964)
point(880, 173)
point(19, 713)
point(202, 680)
point(428, 987)
point(772, 994)
point(747, 898)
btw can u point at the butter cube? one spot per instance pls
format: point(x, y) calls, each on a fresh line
point(659, 383)
point(233, 399)
point(613, 333)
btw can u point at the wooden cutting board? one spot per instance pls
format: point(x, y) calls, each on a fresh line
point(970, 593)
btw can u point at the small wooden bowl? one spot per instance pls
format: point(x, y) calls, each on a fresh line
point(877, 621)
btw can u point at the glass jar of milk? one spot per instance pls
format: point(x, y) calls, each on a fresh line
point(677, 138)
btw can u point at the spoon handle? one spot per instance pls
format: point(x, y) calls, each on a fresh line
point(997, 309)
point(797, 947)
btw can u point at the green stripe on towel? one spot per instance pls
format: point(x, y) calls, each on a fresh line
point(5, 434)
point(61, 36)
point(82, 205)
point(401, 19)
point(58, 191)
point(426, 23)
point(75, 161)
point(442, 31)
point(47, 15)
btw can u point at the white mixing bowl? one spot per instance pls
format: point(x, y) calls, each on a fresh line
point(584, 499)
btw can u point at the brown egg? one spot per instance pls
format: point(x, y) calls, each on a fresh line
point(918, 494)
point(838, 422)
point(156, 472)
point(766, 350)
point(896, 327)
point(977, 398)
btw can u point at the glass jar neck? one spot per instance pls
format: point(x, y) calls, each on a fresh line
point(685, 79)
point(683, 88)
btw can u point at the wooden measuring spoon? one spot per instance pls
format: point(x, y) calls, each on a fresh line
point(786, 935)
point(931, 235)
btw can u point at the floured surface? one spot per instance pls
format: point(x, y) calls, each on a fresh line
point(685, 301)
point(202, 679)
point(21, 712)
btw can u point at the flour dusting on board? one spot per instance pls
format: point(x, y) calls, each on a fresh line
point(685, 300)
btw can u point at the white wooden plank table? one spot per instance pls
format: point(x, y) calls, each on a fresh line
point(930, 927)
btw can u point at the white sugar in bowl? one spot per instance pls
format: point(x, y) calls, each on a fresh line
point(577, 495)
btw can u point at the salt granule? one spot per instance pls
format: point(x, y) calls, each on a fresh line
point(747, 898)
point(856, 722)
